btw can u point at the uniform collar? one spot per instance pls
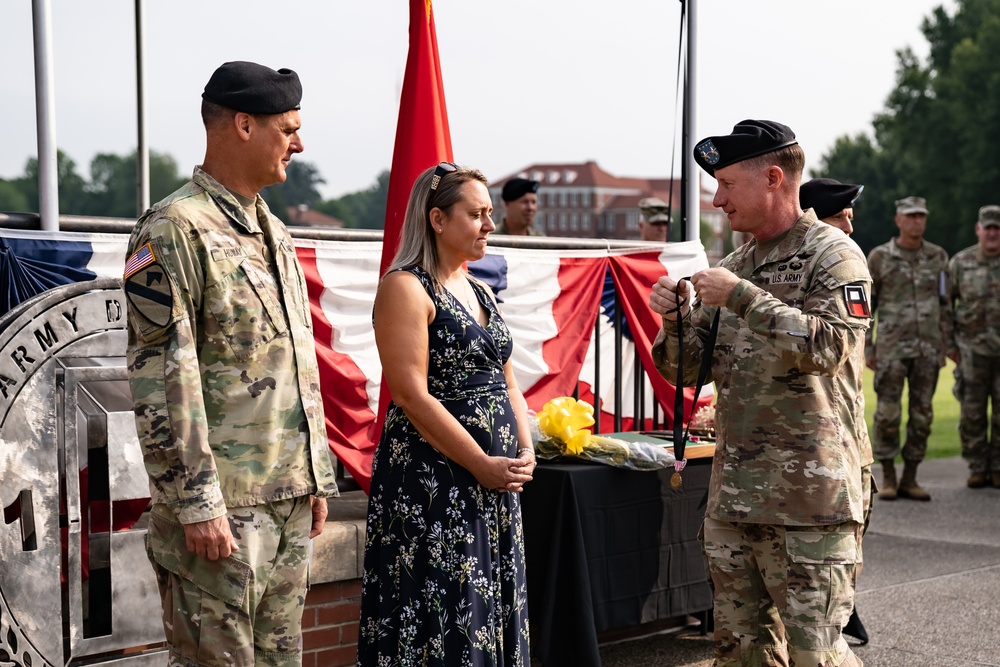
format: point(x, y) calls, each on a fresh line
point(793, 241)
point(227, 203)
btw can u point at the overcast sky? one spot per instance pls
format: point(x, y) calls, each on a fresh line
point(526, 80)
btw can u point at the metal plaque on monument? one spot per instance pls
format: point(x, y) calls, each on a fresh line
point(76, 587)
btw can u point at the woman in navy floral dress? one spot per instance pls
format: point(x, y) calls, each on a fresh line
point(444, 554)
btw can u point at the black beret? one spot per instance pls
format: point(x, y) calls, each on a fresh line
point(517, 187)
point(828, 197)
point(749, 138)
point(252, 88)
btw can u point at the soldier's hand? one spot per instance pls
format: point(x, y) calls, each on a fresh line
point(870, 361)
point(955, 355)
point(210, 539)
point(715, 285)
point(319, 512)
point(663, 299)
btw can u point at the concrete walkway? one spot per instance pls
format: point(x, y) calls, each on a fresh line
point(929, 595)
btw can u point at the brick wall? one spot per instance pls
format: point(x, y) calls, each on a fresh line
point(330, 624)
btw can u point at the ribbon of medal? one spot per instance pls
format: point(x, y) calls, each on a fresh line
point(680, 430)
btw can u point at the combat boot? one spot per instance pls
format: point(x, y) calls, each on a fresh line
point(908, 486)
point(977, 480)
point(887, 490)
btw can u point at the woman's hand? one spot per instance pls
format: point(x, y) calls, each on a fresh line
point(523, 465)
point(501, 473)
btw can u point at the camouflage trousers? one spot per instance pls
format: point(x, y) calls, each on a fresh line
point(977, 385)
point(920, 376)
point(782, 593)
point(240, 611)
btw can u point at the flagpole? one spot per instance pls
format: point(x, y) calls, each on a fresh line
point(45, 95)
point(692, 183)
point(142, 148)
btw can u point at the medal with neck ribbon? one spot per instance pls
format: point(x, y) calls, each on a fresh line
point(680, 430)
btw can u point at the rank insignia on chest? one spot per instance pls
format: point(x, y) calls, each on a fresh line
point(857, 301)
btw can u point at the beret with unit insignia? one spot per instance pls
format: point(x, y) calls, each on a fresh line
point(748, 139)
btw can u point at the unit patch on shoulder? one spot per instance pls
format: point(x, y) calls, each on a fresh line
point(857, 301)
point(151, 293)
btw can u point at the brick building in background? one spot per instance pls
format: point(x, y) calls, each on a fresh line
point(581, 200)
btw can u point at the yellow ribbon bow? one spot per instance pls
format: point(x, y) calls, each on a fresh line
point(566, 419)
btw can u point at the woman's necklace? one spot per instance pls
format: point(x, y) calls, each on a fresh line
point(468, 296)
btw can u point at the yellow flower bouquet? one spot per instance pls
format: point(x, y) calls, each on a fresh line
point(562, 429)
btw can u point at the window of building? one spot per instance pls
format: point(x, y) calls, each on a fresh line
point(562, 222)
point(585, 222)
point(585, 198)
point(574, 222)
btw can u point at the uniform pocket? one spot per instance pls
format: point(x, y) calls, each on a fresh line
point(246, 310)
point(821, 574)
point(226, 579)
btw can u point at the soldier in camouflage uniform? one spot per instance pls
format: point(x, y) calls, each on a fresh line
point(786, 503)
point(974, 277)
point(226, 387)
point(911, 334)
point(520, 203)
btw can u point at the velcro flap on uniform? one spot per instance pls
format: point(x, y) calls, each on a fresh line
point(225, 579)
point(814, 546)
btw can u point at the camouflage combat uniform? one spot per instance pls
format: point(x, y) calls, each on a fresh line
point(912, 330)
point(787, 476)
point(228, 410)
point(975, 284)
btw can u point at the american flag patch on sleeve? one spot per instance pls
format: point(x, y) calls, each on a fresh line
point(139, 260)
point(857, 301)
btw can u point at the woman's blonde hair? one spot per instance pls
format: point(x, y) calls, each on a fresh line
point(417, 244)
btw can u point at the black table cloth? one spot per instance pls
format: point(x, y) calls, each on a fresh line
point(608, 548)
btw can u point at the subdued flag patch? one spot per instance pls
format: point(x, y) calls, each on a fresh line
point(140, 259)
point(857, 301)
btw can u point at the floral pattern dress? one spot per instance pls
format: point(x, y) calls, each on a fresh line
point(444, 576)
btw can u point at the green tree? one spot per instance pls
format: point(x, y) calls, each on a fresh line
point(112, 190)
point(858, 160)
point(12, 198)
point(72, 192)
point(364, 209)
point(301, 186)
point(938, 133)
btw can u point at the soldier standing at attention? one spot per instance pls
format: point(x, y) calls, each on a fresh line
point(975, 282)
point(226, 387)
point(912, 330)
point(785, 513)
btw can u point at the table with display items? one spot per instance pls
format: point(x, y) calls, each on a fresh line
point(610, 548)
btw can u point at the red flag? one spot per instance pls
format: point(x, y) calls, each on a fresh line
point(422, 139)
point(422, 136)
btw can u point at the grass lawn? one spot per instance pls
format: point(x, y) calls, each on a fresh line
point(944, 430)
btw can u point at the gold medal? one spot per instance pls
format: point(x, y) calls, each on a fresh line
point(675, 481)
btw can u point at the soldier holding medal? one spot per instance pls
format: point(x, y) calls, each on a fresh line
point(783, 525)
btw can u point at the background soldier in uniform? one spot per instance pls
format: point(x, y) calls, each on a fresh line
point(833, 203)
point(520, 204)
point(654, 225)
point(975, 283)
point(785, 511)
point(911, 332)
point(226, 388)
